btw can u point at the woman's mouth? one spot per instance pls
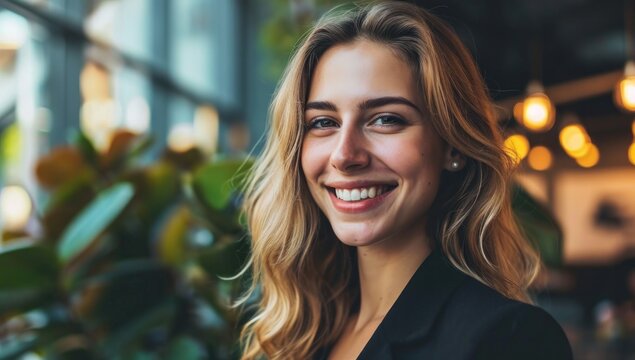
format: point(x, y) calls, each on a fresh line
point(357, 200)
point(362, 193)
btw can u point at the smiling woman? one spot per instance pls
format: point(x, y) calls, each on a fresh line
point(379, 210)
point(372, 137)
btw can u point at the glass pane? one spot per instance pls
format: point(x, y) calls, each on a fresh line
point(203, 43)
point(125, 24)
point(113, 99)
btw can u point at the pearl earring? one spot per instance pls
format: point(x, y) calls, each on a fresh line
point(454, 165)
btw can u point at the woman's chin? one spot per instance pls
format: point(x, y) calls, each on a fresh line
point(352, 237)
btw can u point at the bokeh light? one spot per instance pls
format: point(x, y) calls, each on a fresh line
point(518, 146)
point(574, 140)
point(536, 112)
point(206, 123)
point(540, 158)
point(15, 207)
point(182, 137)
point(590, 159)
point(138, 115)
point(14, 31)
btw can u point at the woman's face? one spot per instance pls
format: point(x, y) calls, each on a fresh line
point(371, 158)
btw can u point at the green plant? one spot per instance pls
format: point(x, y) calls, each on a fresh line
point(131, 259)
point(539, 226)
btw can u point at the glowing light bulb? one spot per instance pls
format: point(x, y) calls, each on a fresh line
point(631, 153)
point(536, 112)
point(518, 147)
point(574, 140)
point(15, 207)
point(540, 158)
point(591, 158)
point(624, 94)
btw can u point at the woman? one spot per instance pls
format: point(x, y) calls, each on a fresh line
point(380, 211)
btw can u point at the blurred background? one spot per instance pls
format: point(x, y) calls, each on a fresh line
point(126, 126)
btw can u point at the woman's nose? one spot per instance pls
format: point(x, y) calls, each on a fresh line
point(351, 151)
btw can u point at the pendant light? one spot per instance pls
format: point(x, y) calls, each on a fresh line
point(576, 142)
point(536, 112)
point(573, 137)
point(624, 93)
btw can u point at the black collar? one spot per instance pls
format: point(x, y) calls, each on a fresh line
point(415, 310)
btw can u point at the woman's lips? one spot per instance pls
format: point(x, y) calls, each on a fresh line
point(358, 206)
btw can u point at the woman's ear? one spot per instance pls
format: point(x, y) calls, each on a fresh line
point(454, 160)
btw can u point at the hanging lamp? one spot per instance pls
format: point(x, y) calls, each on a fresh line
point(536, 111)
point(624, 93)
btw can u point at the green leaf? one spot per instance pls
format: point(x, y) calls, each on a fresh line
point(116, 297)
point(140, 146)
point(216, 183)
point(161, 186)
point(23, 299)
point(27, 266)
point(75, 347)
point(224, 259)
point(539, 226)
point(157, 316)
point(184, 348)
point(29, 275)
point(93, 220)
point(136, 355)
point(86, 148)
point(171, 243)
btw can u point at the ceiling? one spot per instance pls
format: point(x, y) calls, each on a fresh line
point(558, 41)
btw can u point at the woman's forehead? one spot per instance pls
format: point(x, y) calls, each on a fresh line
point(359, 70)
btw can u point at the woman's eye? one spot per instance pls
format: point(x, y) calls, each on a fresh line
point(322, 123)
point(387, 120)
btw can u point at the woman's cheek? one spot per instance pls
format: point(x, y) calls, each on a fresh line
point(314, 157)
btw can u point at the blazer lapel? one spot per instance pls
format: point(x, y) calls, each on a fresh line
point(415, 310)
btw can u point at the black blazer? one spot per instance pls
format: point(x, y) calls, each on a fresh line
point(445, 314)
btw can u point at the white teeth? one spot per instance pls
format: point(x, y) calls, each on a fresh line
point(358, 194)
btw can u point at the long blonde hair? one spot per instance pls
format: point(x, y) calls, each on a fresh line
point(306, 276)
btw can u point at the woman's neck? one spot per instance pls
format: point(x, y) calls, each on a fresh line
point(384, 270)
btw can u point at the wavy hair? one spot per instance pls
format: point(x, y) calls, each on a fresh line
point(304, 276)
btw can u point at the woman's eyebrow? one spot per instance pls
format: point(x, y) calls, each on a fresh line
point(320, 105)
point(386, 100)
point(364, 105)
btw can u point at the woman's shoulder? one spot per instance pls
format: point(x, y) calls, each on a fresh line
point(502, 328)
